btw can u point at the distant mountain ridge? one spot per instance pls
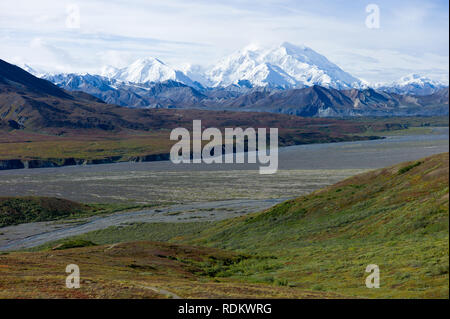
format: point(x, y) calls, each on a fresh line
point(286, 66)
point(314, 101)
point(27, 102)
point(412, 84)
point(250, 79)
point(318, 101)
point(287, 79)
point(166, 94)
point(150, 70)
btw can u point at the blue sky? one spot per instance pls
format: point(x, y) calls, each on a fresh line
point(412, 38)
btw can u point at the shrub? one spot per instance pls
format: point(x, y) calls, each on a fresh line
point(76, 243)
point(409, 167)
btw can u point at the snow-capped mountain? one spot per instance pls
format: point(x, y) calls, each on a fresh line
point(285, 66)
point(108, 71)
point(310, 101)
point(148, 70)
point(412, 84)
point(287, 78)
point(149, 94)
point(196, 73)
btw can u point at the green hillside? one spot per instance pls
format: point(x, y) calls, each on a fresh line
point(27, 209)
point(395, 217)
point(17, 210)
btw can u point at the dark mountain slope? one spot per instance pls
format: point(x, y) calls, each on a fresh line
point(11, 75)
point(320, 101)
point(311, 101)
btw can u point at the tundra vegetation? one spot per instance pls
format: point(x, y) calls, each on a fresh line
point(314, 246)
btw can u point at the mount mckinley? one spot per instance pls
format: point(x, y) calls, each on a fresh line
point(285, 79)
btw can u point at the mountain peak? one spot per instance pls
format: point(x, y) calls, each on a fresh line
point(108, 71)
point(414, 78)
point(150, 69)
point(283, 66)
point(148, 61)
point(412, 84)
point(251, 47)
point(292, 47)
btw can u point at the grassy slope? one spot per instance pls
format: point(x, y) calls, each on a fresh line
point(28, 145)
point(26, 209)
point(16, 210)
point(134, 270)
point(395, 217)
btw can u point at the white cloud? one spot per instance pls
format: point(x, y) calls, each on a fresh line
point(413, 36)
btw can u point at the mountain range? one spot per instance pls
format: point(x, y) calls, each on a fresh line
point(284, 79)
point(35, 110)
point(285, 66)
point(313, 101)
point(37, 105)
point(411, 84)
